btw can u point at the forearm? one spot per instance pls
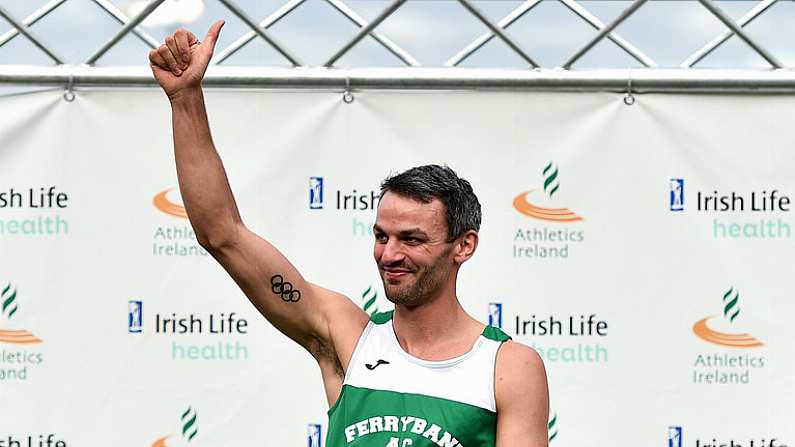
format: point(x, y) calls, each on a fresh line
point(203, 183)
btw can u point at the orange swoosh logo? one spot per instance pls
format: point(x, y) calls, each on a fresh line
point(161, 442)
point(162, 203)
point(719, 338)
point(18, 337)
point(553, 214)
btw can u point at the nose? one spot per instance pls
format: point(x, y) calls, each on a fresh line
point(390, 253)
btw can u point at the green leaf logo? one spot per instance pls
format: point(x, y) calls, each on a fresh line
point(551, 182)
point(8, 299)
point(551, 429)
point(369, 297)
point(730, 307)
point(189, 428)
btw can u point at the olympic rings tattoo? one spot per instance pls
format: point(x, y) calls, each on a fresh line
point(284, 289)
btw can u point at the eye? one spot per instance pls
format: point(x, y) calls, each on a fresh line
point(380, 237)
point(413, 240)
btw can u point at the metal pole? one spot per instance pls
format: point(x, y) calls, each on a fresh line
point(696, 57)
point(605, 31)
point(717, 12)
point(236, 10)
point(484, 38)
point(386, 42)
point(27, 33)
point(123, 19)
point(499, 32)
point(408, 79)
point(364, 31)
point(30, 20)
point(269, 21)
point(124, 30)
point(630, 49)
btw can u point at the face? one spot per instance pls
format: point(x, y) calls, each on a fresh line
point(411, 249)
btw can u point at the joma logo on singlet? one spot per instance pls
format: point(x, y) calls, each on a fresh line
point(377, 364)
point(403, 424)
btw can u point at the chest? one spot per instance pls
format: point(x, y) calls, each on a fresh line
point(393, 399)
point(367, 417)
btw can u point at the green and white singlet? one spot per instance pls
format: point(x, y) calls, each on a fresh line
point(391, 399)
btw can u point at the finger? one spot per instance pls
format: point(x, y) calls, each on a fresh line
point(171, 63)
point(157, 70)
point(156, 59)
point(212, 34)
point(171, 43)
point(192, 40)
point(181, 37)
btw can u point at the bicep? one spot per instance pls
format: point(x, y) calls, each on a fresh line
point(277, 289)
point(522, 397)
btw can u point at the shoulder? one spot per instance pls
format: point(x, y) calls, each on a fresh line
point(518, 360)
point(519, 373)
point(339, 308)
point(343, 320)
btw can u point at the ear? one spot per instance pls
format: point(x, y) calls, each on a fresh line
point(465, 246)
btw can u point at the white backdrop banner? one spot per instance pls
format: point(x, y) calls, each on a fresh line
point(645, 251)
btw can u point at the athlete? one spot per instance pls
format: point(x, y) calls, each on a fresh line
point(424, 374)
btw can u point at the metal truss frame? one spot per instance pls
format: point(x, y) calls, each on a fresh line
point(534, 78)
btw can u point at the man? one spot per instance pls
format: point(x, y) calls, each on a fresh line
point(427, 373)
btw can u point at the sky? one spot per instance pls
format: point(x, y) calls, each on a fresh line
point(431, 31)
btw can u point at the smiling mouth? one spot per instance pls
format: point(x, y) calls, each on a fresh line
point(396, 274)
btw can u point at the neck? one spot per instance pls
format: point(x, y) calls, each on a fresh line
point(436, 330)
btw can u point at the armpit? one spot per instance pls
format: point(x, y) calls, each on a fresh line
point(326, 357)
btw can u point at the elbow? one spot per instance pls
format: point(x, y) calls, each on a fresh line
point(217, 240)
point(204, 241)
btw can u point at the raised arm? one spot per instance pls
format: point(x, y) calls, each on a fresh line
point(296, 307)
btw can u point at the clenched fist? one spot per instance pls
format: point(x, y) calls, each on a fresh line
point(180, 63)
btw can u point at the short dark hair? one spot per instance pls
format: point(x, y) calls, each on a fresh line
point(425, 183)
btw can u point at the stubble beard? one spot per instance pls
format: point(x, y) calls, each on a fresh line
point(426, 282)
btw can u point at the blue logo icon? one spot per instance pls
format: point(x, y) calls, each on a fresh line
point(135, 317)
point(315, 193)
point(495, 315)
point(677, 197)
point(675, 436)
point(314, 435)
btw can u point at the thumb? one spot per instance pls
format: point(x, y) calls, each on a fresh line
point(212, 34)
